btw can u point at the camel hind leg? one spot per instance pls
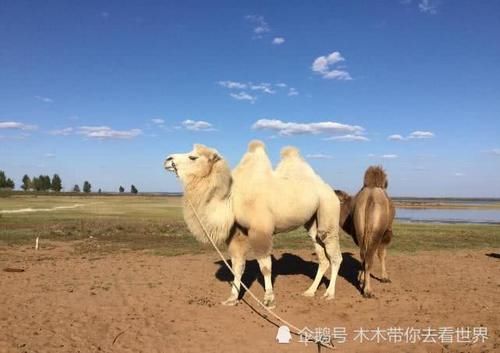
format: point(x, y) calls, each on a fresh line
point(332, 247)
point(373, 245)
point(382, 252)
point(328, 231)
point(367, 267)
point(265, 264)
point(323, 264)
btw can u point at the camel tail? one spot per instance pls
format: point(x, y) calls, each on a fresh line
point(375, 177)
point(368, 235)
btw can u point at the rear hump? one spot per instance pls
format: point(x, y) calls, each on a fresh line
point(375, 177)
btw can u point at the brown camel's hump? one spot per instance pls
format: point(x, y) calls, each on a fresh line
point(375, 177)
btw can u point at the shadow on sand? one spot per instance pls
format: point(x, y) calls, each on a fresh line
point(289, 265)
point(493, 255)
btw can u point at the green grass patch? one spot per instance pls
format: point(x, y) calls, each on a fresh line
point(155, 224)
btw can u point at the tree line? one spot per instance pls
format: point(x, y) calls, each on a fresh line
point(45, 183)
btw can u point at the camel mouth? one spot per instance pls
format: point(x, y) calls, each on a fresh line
point(171, 167)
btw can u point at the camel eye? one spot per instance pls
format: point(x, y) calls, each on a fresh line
point(193, 158)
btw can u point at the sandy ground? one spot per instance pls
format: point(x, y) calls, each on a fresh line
point(136, 302)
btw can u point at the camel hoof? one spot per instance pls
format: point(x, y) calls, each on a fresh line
point(308, 293)
point(328, 296)
point(270, 303)
point(230, 302)
point(385, 280)
point(368, 295)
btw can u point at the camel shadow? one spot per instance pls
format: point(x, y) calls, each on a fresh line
point(493, 255)
point(290, 265)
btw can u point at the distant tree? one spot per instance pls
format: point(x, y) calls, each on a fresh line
point(121, 189)
point(76, 188)
point(46, 183)
point(56, 183)
point(36, 184)
point(9, 183)
point(86, 186)
point(3, 179)
point(99, 191)
point(133, 189)
point(26, 183)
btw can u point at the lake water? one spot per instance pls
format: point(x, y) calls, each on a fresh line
point(449, 215)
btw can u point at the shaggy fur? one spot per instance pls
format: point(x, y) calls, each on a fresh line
point(375, 177)
point(247, 207)
point(368, 218)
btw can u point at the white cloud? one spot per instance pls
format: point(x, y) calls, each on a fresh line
point(259, 23)
point(383, 156)
point(199, 125)
point(414, 135)
point(348, 137)
point(240, 90)
point(243, 96)
point(232, 84)
point(158, 121)
point(389, 156)
point(62, 132)
point(428, 6)
point(44, 99)
point(325, 66)
point(318, 156)
point(49, 155)
point(292, 128)
point(421, 135)
point(104, 14)
point(263, 87)
point(494, 151)
point(458, 174)
point(395, 137)
point(15, 125)
point(105, 132)
point(278, 40)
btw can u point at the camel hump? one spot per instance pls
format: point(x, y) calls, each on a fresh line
point(255, 144)
point(289, 151)
point(375, 177)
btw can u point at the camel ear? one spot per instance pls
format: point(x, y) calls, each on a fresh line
point(214, 157)
point(197, 147)
point(341, 195)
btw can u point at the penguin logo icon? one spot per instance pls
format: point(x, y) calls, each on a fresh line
point(283, 335)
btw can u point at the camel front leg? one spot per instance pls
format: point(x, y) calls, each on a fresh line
point(238, 247)
point(238, 267)
point(265, 264)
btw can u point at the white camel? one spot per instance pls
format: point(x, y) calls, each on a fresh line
point(246, 207)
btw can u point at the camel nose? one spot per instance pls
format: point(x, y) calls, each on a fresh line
point(168, 161)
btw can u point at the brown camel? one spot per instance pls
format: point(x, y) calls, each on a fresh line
point(368, 218)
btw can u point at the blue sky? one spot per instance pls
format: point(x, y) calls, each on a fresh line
point(104, 90)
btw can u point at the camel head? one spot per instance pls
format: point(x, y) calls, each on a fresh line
point(192, 165)
point(345, 205)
